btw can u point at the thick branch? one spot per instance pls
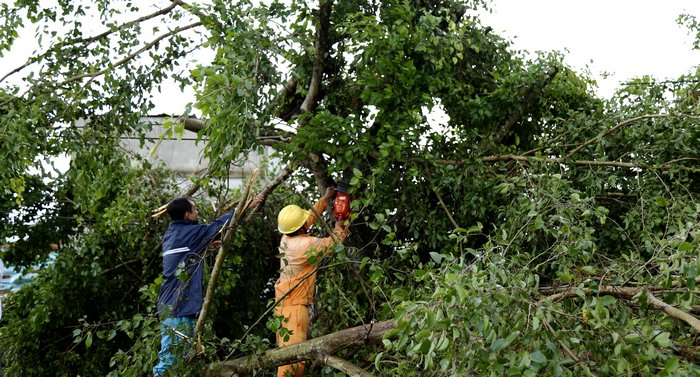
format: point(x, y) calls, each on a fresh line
point(320, 44)
point(673, 312)
point(627, 293)
point(315, 348)
point(345, 366)
point(191, 124)
point(223, 251)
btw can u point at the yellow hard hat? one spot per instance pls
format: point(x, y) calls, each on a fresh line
point(291, 218)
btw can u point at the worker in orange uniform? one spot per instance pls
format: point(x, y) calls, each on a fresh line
point(294, 290)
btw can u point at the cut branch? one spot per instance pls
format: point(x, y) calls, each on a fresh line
point(229, 229)
point(315, 348)
point(627, 293)
point(192, 124)
point(345, 366)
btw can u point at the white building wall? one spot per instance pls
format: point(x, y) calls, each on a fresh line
point(185, 156)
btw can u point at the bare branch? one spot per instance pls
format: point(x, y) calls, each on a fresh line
point(673, 312)
point(627, 293)
point(320, 45)
point(345, 366)
point(310, 349)
point(449, 215)
point(223, 251)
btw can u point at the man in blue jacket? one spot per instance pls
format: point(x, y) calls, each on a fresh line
point(181, 294)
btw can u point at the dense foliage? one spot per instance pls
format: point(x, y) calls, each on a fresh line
point(534, 229)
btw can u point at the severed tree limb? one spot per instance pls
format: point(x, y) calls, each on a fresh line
point(673, 311)
point(223, 251)
point(315, 348)
point(191, 124)
point(345, 366)
point(627, 293)
point(196, 125)
point(617, 127)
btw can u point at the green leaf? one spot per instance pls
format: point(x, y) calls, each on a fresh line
point(685, 247)
point(606, 300)
point(663, 339)
point(437, 257)
point(498, 344)
point(538, 357)
point(88, 340)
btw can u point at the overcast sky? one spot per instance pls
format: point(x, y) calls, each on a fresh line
point(628, 38)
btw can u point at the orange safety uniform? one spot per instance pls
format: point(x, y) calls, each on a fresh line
point(296, 269)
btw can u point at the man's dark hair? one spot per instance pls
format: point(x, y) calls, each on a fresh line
point(177, 208)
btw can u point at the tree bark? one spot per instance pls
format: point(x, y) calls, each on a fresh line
point(627, 293)
point(223, 251)
point(316, 348)
point(345, 366)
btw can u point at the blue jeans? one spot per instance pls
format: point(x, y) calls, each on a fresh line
point(172, 343)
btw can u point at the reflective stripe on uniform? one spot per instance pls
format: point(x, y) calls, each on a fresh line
point(175, 251)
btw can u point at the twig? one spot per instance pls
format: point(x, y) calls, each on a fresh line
point(564, 346)
point(445, 208)
point(133, 55)
point(92, 39)
point(617, 127)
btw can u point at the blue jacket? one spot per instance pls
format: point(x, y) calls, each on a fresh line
point(184, 244)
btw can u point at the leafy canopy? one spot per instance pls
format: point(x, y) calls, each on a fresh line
point(534, 229)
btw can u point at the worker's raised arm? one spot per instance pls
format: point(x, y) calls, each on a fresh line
point(319, 207)
point(341, 230)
